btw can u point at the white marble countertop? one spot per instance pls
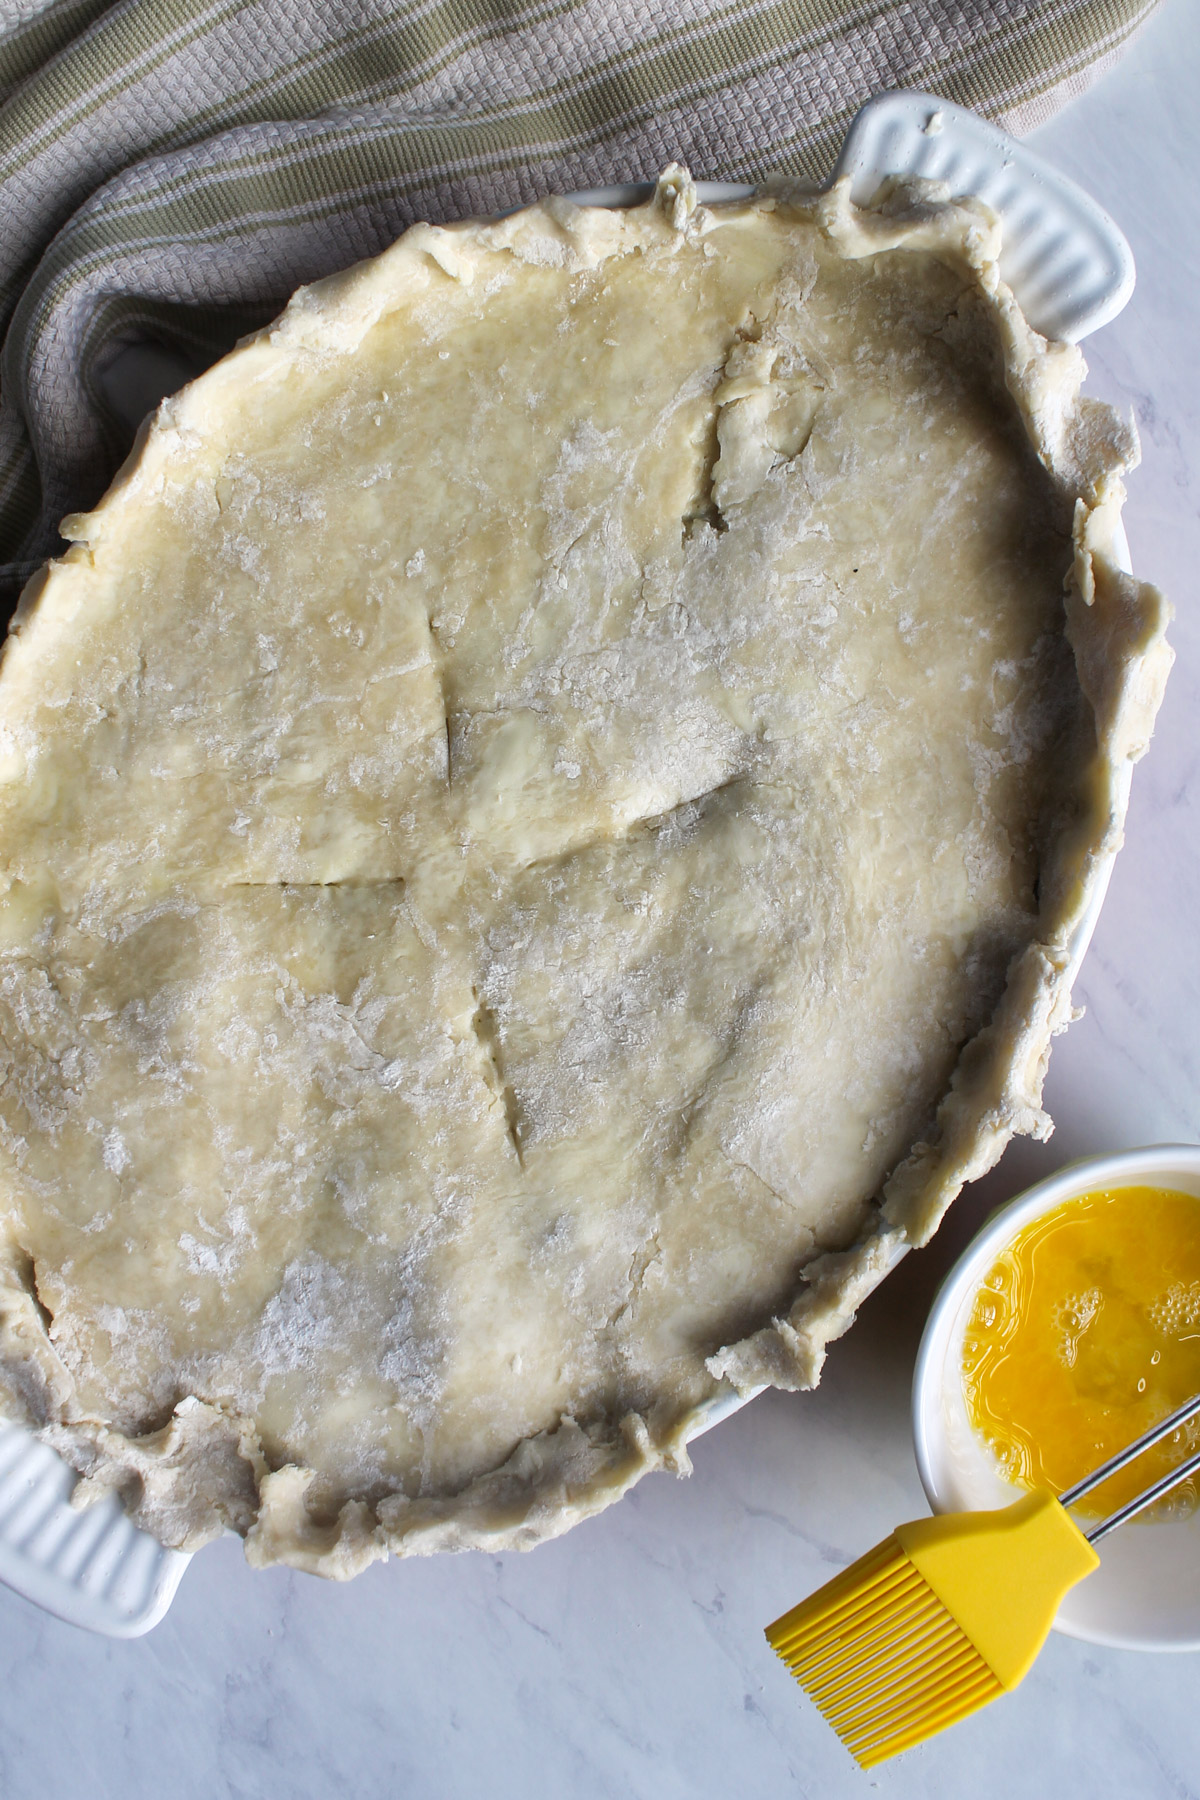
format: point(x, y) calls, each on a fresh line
point(628, 1658)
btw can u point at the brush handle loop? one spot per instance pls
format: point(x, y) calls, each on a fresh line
point(1123, 1457)
point(1145, 1499)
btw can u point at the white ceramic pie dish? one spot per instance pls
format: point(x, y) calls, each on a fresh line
point(1146, 1593)
point(1072, 270)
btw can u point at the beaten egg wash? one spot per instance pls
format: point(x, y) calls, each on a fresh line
point(1085, 1332)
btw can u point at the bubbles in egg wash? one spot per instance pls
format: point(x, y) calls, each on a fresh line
point(1083, 1334)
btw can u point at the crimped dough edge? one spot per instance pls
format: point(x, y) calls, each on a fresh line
point(1116, 628)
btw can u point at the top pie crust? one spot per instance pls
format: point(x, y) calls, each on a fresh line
point(542, 822)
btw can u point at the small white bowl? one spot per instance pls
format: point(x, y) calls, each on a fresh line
point(1146, 1593)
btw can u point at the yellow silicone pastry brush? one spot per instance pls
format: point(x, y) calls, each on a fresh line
point(949, 1612)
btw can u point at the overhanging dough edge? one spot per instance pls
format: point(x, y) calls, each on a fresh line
point(1116, 627)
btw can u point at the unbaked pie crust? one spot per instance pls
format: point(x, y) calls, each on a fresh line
point(543, 820)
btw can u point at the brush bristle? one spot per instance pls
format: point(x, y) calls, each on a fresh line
point(882, 1657)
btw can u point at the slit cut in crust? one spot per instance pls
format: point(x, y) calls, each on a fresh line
point(543, 822)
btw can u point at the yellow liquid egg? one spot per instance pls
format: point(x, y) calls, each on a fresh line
point(1086, 1332)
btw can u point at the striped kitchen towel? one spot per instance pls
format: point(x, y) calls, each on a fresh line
point(171, 169)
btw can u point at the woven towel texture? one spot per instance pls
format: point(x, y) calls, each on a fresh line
point(170, 170)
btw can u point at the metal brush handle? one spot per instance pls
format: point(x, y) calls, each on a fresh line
point(1123, 1457)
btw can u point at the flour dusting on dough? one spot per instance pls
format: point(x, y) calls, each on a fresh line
point(542, 822)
